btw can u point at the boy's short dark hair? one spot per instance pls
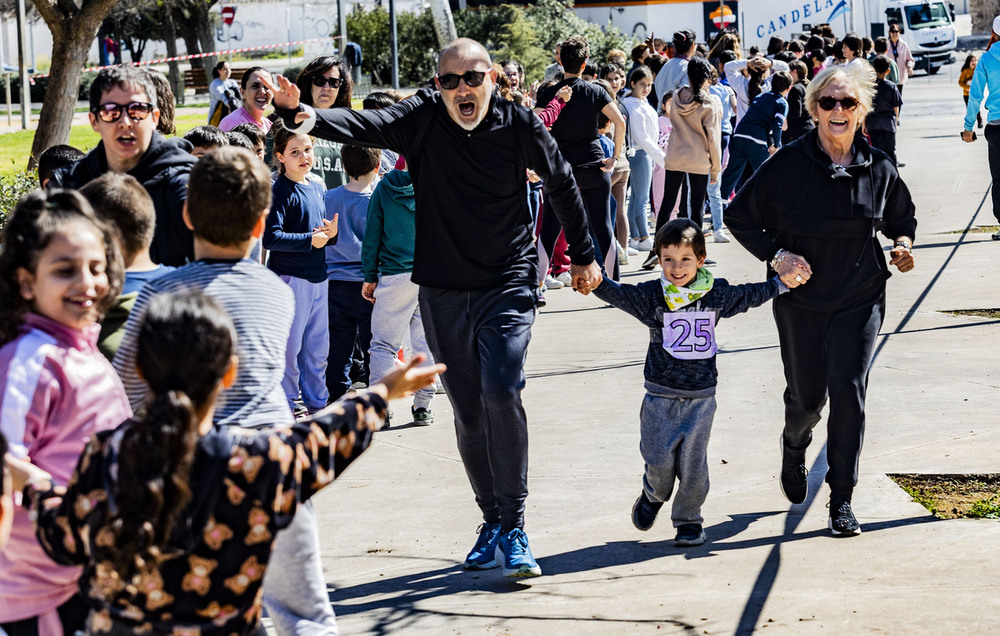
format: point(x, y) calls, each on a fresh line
point(881, 64)
point(781, 81)
point(251, 132)
point(57, 157)
point(682, 232)
point(853, 42)
point(590, 69)
point(881, 44)
point(573, 53)
point(228, 191)
point(359, 161)
point(795, 46)
point(377, 101)
point(207, 137)
point(239, 139)
point(121, 201)
point(129, 77)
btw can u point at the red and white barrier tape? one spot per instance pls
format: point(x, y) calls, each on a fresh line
point(198, 55)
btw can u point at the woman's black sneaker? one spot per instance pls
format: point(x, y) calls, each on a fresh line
point(842, 520)
point(644, 512)
point(794, 484)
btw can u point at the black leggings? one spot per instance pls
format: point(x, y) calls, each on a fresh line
point(672, 181)
point(595, 190)
point(979, 114)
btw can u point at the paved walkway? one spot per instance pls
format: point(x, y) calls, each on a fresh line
point(396, 528)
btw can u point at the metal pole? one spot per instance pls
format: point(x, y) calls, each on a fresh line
point(393, 45)
point(288, 27)
point(10, 111)
point(22, 53)
point(341, 26)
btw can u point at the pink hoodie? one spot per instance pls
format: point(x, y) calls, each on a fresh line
point(56, 391)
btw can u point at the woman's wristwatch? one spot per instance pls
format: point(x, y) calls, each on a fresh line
point(904, 244)
point(778, 258)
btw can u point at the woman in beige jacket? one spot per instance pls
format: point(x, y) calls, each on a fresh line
point(694, 152)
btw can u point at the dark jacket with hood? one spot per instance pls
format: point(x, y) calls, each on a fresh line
point(801, 201)
point(474, 229)
point(163, 171)
point(390, 230)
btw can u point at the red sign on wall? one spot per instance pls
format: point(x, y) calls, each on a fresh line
point(228, 13)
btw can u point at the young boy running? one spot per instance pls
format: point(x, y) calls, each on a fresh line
point(680, 309)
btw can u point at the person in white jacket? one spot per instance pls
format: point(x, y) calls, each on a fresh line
point(645, 133)
point(757, 80)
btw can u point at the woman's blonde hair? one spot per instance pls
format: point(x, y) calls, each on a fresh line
point(859, 77)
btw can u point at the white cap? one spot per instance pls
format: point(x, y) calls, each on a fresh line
point(996, 25)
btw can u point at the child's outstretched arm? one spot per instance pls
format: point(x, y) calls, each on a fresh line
point(739, 298)
point(629, 298)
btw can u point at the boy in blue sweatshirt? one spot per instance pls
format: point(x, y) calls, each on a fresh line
point(758, 135)
point(680, 309)
point(350, 312)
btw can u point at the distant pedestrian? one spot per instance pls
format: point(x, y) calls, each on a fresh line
point(986, 83)
point(965, 81)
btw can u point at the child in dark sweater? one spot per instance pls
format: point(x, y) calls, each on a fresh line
point(680, 309)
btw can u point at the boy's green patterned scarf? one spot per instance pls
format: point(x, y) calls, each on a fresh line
point(678, 297)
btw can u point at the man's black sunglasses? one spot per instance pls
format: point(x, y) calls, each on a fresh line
point(333, 82)
point(449, 81)
point(112, 112)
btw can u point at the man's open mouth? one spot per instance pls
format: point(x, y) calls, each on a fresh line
point(466, 109)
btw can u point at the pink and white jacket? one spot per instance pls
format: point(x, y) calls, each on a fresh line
point(56, 391)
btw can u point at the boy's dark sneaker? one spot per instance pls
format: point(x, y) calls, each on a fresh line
point(794, 484)
point(644, 512)
point(842, 520)
point(515, 556)
point(388, 421)
point(483, 555)
point(650, 261)
point(689, 534)
point(422, 416)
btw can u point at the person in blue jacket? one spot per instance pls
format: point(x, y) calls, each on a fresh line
point(987, 80)
point(758, 135)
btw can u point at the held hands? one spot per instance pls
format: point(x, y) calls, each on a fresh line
point(586, 278)
point(324, 232)
point(368, 291)
point(794, 270)
point(608, 165)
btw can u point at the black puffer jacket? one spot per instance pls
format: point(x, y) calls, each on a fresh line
point(163, 171)
point(801, 201)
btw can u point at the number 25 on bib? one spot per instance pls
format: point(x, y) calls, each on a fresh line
point(690, 335)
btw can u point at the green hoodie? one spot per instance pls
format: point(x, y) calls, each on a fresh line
point(389, 233)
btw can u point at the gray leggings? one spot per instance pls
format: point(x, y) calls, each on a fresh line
point(674, 445)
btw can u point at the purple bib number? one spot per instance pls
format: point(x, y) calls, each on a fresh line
point(690, 335)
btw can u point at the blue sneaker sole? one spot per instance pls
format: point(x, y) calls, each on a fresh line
point(523, 572)
point(489, 565)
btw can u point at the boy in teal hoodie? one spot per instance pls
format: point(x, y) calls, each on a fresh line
point(387, 262)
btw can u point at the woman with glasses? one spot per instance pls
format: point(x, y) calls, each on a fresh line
point(899, 52)
point(256, 99)
point(325, 82)
point(811, 212)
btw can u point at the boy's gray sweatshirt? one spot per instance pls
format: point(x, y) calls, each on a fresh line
point(666, 375)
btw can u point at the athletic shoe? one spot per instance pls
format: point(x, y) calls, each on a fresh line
point(644, 512)
point(565, 278)
point(900, 164)
point(651, 262)
point(631, 251)
point(515, 556)
point(483, 555)
point(842, 521)
point(794, 484)
point(421, 416)
point(710, 263)
point(645, 244)
point(388, 421)
point(995, 236)
point(689, 534)
point(720, 236)
point(299, 410)
point(622, 254)
point(541, 299)
point(553, 283)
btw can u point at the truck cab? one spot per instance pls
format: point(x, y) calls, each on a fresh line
point(927, 27)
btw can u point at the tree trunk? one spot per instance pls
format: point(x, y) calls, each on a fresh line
point(206, 37)
point(444, 23)
point(170, 37)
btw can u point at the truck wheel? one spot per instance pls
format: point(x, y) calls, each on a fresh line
point(933, 70)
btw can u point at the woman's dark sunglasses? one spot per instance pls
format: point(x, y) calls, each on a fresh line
point(112, 112)
point(333, 82)
point(829, 103)
point(449, 81)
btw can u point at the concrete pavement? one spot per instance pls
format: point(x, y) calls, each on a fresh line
point(395, 529)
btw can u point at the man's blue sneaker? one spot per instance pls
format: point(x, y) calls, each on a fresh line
point(484, 553)
point(515, 556)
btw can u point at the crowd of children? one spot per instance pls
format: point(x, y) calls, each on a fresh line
point(255, 298)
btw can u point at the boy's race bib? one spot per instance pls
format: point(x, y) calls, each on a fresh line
point(690, 335)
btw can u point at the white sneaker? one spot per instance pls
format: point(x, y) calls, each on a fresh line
point(631, 251)
point(720, 236)
point(622, 254)
point(645, 245)
point(553, 283)
point(565, 279)
point(632, 243)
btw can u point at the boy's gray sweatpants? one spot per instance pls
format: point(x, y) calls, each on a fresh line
point(674, 444)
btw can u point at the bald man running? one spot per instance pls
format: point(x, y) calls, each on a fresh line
point(467, 150)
